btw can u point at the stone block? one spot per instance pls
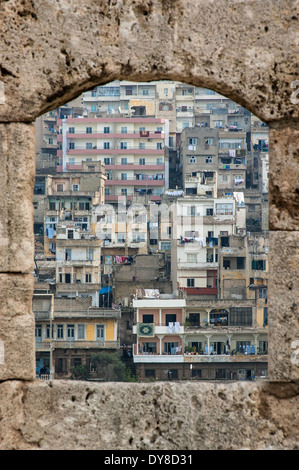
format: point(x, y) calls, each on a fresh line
point(17, 339)
point(143, 41)
point(17, 173)
point(283, 295)
point(284, 179)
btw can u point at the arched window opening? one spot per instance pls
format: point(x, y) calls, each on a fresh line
point(151, 236)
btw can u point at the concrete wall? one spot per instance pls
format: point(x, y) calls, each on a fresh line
point(52, 52)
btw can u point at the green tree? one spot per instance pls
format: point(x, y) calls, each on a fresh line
point(110, 367)
point(80, 372)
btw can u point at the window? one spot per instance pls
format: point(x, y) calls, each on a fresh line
point(81, 331)
point(70, 332)
point(159, 145)
point(124, 176)
point(106, 145)
point(70, 234)
point(209, 160)
point(52, 206)
point(107, 161)
point(170, 347)
point(149, 348)
point(159, 161)
point(94, 108)
point(196, 373)
point(240, 263)
point(77, 362)
point(141, 161)
point(150, 373)
point(88, 278)
point(170, 318)
point(106, 130)
point(48, 332)
point(191, 258)
point(141, 145)
point(172, 374)
point(88, 145)
point(89, 253)
point(191, 210)
point(67, 278)
point(124, 145)
point(259, 265)
point(71, 130)
point(123, 191)
point(88, 130)
point(38, 332)
point(60, 331)
point(124, 161)
point(226, 264)
point(145, 91)
point(124, 130)
point(192, 160)
point(121, 237)
point(59, 187)
point(71, 145)
point(148, 318)
point(209, 211)
point(241, 316)
point(190, 282)
point(224, 209)
point(68, 254)
point(75, 187)
point(100, 332)
point(192, 141)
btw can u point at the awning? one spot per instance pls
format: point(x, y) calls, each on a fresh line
point(105, 290)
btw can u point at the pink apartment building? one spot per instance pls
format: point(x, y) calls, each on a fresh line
point(132, 149)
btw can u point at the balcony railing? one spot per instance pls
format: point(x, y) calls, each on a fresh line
point(78, 344)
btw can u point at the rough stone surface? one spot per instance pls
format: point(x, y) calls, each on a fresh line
point(52, 51)
point(283, 359)
point(284, 179)
point(67, 415)
point(17, 172)
point(17, 327)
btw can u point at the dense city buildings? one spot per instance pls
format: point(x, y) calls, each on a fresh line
point(151, 231)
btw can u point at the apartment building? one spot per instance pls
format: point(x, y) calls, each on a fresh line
point(199, 222)
point(159, 329)
point(132, 149)
point(70, 198)
point(210, 339)
point(69, 331)
point(213, 161)
point(78, 263)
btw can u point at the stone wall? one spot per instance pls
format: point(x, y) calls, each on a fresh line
point(53, 51)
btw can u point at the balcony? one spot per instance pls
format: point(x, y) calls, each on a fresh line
point(135, 182)
point(228, 358)
point(145, 135)
point(200, 290)
point(76, 344)
point(163, 329)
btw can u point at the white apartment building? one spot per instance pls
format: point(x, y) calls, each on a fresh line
point(198, 225)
